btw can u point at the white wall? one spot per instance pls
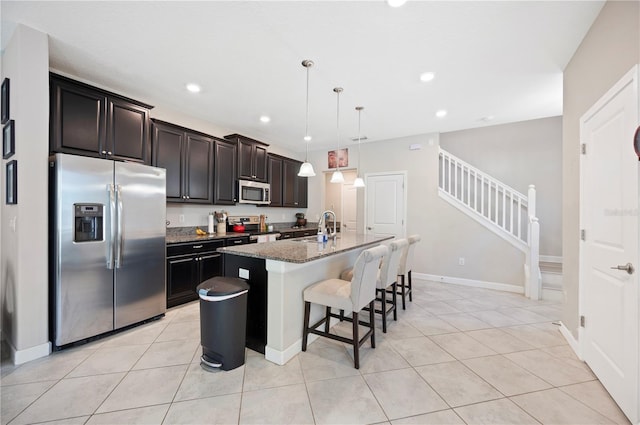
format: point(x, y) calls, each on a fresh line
point(520, 154)
point(608, 51)
point(24, 226)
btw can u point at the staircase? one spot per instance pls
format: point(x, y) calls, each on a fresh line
point(498, 207)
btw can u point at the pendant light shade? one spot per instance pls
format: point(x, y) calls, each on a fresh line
point(337, 176)
point(358, 181)
point(306, 169)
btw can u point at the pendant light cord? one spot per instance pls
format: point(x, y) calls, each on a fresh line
point(338, 90)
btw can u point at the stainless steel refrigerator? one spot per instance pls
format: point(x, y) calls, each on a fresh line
point(108, 228)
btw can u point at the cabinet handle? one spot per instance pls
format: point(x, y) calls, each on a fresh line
point(197, 258)
point(196, 246)
point(237, 242)
point(109, 153)
point(188, 197)
point(104, 152)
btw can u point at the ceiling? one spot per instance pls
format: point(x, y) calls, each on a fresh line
point(499, 59)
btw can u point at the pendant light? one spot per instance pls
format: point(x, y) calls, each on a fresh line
point(306, 169)
point(358, 182)
point(337, 176)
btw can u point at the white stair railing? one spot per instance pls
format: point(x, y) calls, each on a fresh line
point(502, 209)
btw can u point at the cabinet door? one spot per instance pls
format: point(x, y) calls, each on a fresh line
point(127, 131)
point(274, 175)
point(182, 278)
point(260, 163)
point(302, 191)
point(78, 119)
point(168, 147)
point(210, 266)
point(290, 170)
point(245, 160)
point(199, 169)
point(224, 191)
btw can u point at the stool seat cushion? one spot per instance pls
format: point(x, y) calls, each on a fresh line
point(334, 293)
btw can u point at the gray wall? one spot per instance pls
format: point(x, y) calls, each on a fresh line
point(24, 287)
point(608, 51)
point(520, 154)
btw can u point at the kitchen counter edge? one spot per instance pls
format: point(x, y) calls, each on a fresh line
point(299, 251)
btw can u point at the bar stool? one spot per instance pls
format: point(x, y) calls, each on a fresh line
point(347, 296)
point(387, 278)
point(406, 264)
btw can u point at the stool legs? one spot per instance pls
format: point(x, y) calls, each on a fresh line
point(410, 287)
point(394, 297)
point(404, 295)
point(372, 312)
point(328, 317)
point(356, 340)
point(305, 330)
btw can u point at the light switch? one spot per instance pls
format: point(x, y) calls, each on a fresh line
point(243, 273)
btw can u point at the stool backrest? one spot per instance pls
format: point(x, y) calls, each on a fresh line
point(406, 262)
point(365, 273)
point(389, 269)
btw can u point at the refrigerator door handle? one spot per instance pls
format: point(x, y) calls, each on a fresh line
point(119, 236)
point(112, 225)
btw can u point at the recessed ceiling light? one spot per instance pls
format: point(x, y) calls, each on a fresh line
point(307, 138)
point(427, 76)
point(396, 3)
point(193, 88)
point(487, 118)
point(441, 113)
point(265, 119)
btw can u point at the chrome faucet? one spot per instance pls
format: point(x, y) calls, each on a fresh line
point(322, 221)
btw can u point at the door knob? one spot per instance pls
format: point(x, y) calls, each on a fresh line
point(626, 267)
point(369, 228)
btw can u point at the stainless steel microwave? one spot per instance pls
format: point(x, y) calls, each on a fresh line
point(250, 192)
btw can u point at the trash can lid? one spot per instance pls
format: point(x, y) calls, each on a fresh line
point(222, 285)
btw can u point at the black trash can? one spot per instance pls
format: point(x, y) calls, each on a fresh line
point(223, 321)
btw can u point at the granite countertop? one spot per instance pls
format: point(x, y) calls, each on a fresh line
point(303, 250)
point(192, 237)
point(187, 234)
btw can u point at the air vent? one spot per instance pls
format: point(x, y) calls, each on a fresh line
point(362, 138)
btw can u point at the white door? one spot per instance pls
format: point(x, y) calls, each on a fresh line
point(385, 200)
point(349, 208)
point(609, 216)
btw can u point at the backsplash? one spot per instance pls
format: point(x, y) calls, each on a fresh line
point(184, 215)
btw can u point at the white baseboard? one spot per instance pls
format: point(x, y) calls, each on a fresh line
point(573, 343)
point(550, 258)
point(22, 356)
point(507, 287)
point(553, 294)
point(282, 357)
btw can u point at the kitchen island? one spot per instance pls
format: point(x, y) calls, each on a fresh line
point(278, 273)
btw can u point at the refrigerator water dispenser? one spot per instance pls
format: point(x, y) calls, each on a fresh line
point(88, 222)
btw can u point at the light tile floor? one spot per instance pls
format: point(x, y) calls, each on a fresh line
point(456, 355)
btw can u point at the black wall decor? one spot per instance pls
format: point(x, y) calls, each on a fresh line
point(8, 139)
point(5, 101)
point(12, 182)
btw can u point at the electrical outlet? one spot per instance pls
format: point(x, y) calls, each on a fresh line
point(181, 218)
point(461, 261)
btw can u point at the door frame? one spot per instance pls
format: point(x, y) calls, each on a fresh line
point(405, 179)
point(631, 77)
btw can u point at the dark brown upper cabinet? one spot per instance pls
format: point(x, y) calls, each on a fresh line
point(224, 190)
point(89, 121)
point(188, 158)
point(252, 158)
point(294, 188)
point(274, 174)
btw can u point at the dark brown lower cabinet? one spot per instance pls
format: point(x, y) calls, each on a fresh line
point(257, 300)
point(188, 265)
